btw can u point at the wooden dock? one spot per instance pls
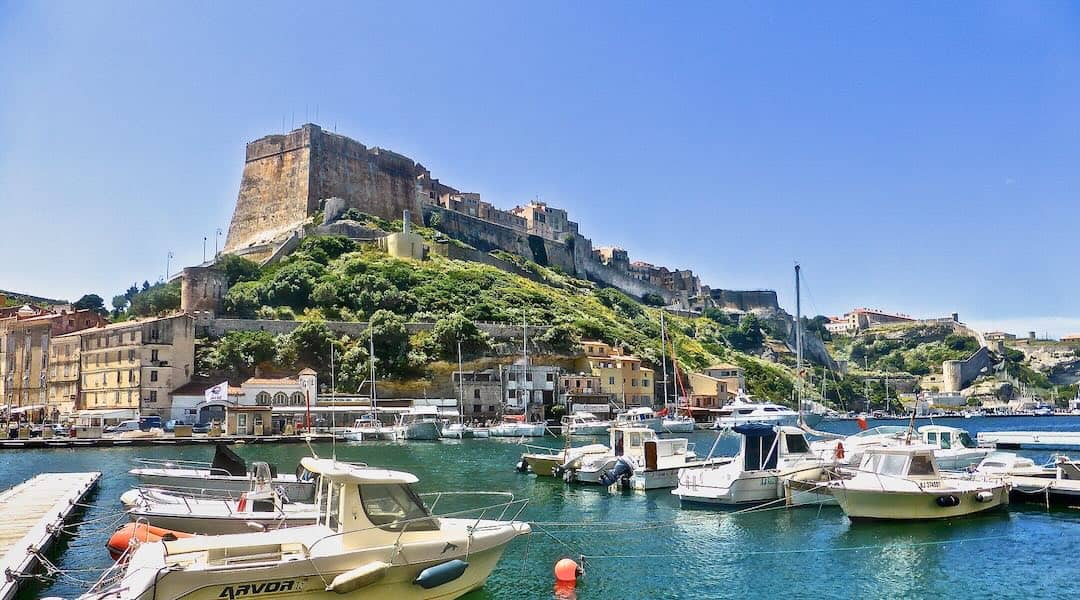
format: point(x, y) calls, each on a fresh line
point(31, 514)
point(1031, 440)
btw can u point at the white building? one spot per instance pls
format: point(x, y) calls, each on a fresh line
point(284, 391)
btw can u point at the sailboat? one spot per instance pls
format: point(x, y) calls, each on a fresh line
point(519, 425)
point(455, 428)
point(369, 427)
point(672, 421)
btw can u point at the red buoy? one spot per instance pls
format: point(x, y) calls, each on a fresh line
point(566, 570)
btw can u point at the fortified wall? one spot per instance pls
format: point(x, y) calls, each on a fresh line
point(286, 176)
point(956, 374)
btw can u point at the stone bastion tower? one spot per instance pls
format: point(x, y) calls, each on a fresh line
point(287, 177)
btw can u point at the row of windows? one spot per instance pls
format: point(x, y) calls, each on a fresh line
point(280, 399)
point(131, 377)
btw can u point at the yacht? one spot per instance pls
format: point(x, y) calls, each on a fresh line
point(638, 459)
point(953, 447)
point(515, 426)
point(227, 473)
point(642, 416)
point(584, 423)
point(903, 483)
point(260, 508)
point(375, 538)
point(743, 410)
point(766, 454)
point(418, 423)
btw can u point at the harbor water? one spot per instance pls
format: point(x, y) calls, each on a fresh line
point(643, 545)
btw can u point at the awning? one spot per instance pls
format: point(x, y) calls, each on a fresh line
point(20, 410)
point(115, 413)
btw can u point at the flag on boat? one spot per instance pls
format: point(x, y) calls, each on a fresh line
point(862, 423)
point(662, 412)
point(218, 393)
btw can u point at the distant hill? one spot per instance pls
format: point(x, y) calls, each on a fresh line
point(16, 298)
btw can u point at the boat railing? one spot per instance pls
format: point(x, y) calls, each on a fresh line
point(158, 463)
point(545, 449)
point(514, 505)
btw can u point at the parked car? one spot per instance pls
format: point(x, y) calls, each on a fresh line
point(200, 428)
point(171, 424)
point(148, 423)
point(124, 427)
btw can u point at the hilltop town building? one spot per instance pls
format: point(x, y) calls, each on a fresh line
point(581, 392)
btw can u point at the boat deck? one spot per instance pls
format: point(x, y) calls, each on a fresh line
point(30, 516)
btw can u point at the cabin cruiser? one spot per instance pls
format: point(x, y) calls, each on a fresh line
point(955, 448)
point(767, 454)
point(903, 482)
point(227, 473)
point(677, 424)
point(637, 458)
point(742, 410)
point(552, 462)
point(641, 416)
point(368, 427)
point(515, 426)
point(261, 508)
point(418, 423)
point(375, 538)
point(584, 423)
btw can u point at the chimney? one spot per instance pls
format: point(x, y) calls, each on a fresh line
point(406, 221)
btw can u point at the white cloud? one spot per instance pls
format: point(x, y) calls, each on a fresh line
point(1055, 327)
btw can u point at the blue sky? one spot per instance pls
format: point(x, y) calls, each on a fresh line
point(917, 157)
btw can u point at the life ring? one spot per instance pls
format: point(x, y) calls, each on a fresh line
point(839, 450)
point(242, 504)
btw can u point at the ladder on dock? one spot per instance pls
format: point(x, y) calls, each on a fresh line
point(31, 514)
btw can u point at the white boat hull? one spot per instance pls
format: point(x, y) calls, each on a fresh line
point(516, 431)
point(749, 488)
point(424, 430)
point(589, 429)
point(873, 504)
point(677, 426)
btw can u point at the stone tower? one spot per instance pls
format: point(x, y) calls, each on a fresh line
point(202, 289)
point(286, 177)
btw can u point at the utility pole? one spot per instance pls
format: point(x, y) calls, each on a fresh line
point(168, 257)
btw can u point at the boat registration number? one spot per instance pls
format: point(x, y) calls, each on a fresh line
point(768, 482)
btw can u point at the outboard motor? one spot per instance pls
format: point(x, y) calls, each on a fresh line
point(622, 470)
point(522, 466)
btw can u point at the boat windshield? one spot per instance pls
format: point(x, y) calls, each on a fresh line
point(394, 506)
point(884, 464)
point(965, 440)
point(796, 444)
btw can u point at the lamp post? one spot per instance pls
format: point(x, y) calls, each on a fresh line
point(217, 237)
point(168, 257)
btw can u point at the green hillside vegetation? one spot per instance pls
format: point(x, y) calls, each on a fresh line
point(918, 350)
point(332, 278)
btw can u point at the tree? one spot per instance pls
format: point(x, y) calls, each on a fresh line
point(92, 302)
point(237, 269)
point(291, 285)
point(244, 299)
point(391, 342)
point(241, 351)
point(119, 303)
point(454, 328)
point(353, 369)
point(653, 299)
point(311, 343)
point(324, 248)
point(561, 338)
point(156, 299)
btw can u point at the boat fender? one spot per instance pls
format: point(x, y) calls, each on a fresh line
point(984, 496)
point(839, 450)
point(947, 501)
point(362, 576)
point(522, 466)
point(242, 503)
point(440, 574)
point(622, 469)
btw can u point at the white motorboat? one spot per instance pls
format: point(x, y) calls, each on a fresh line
point(227, 473)
point(743, 410)
point(677, 424)
point(375, 538)
point(767, 454)
point(418, 423)
point(556, 462)
point(637, 458)
point(584, 423)
point(1010, 463)
point(367, 427)
point(955, 450)
point(515, 426)
point(457, 430)
point(903, 483)
point(1055, 483)
point(641, 416)
point(261, 508)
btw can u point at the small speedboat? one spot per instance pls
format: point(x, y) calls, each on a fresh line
point(375, 538)
point(367, 427)
point(227, 473)
point(262, 508)
point(642, 416)
point(638, 459)
point(418, 423)
point(515, 426)
point(553, 462)
point(903, 483)
point(955, 448)
point(584, 423)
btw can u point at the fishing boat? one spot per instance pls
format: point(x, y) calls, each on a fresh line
point(226, 473)
point(637, 459)
point(515, 426)
point(584, 423)
point(904, 483)
point(953, 447)
point(261, 508)
point(641, 416)
point(767, 454)
point(555, 462)
point(418, 423)
point(375, 538)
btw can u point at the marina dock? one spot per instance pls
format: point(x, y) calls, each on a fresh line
point(31, 514)
point(62, 442)
point(1031, 440)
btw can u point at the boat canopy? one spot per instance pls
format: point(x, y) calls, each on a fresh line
point(755, 429)
point(339, 471)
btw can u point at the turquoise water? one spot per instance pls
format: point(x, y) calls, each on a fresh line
point(642, 545)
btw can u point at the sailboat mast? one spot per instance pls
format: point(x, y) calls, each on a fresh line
point(663, 356)
point(371, 357)
point(798, 341)
point(524, 364)
point(461, 382)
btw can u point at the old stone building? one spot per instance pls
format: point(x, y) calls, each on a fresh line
point(134, 366)
point(545, 221)
point(481, 393)
point(63, 380)
point(581, 393)
point(24, 348)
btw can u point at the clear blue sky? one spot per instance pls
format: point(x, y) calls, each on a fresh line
point(918, 157)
